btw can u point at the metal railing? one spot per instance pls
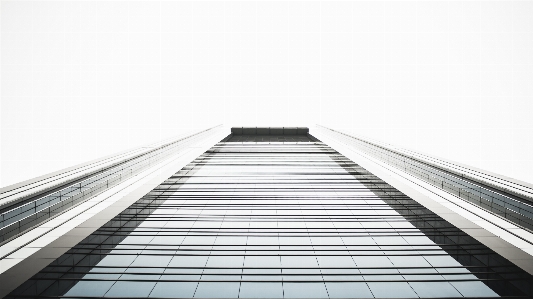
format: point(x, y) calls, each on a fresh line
point(500, 196)
point(18, 218)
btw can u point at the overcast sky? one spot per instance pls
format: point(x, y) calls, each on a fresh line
point(84, 79)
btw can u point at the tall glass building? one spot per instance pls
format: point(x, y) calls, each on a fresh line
point(264, 213)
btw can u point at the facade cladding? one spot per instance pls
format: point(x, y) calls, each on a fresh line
point(273, 213)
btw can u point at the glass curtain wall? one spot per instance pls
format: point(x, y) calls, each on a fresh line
point(277, 217)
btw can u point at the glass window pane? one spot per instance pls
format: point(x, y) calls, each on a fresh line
point(392, 290)
point(305, 290)
point(348, 290)
point(261, 290)
point(217, 290)
point(90, 288)
point(473, 289)
point(130, 289)
point(174, 289)
point(434, 289)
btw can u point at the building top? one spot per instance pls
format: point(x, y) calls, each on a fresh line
point(269, 130)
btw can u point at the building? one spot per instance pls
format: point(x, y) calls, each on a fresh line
point(267, 213)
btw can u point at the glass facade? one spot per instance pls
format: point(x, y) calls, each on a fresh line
point(277, 216)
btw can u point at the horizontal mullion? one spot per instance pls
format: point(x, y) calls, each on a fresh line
point(279, 281)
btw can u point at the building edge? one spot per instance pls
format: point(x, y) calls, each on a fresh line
point(29, 253)
point(513, 242)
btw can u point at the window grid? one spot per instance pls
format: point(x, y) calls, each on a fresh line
point(273, 217)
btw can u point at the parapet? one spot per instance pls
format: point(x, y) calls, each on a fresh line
point(269, 130)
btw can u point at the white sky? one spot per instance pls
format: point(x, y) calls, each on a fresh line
point(84, 79)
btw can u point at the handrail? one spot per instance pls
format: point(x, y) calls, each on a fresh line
point(506, 198)
point(41, 199)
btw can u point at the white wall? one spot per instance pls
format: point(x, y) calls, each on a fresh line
point(83, 79)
